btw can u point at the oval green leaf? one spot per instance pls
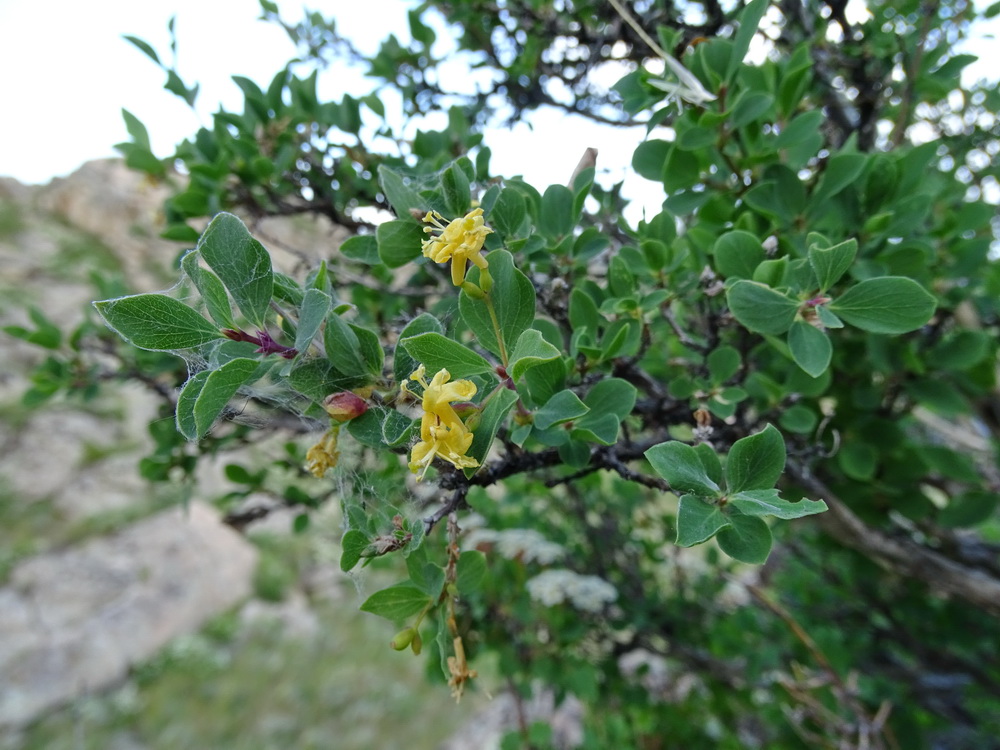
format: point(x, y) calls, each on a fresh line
point(760, 308)
point(156, 322)
point(810, 347)
point(889, 304)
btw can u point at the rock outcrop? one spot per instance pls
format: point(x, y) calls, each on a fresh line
point(77, 620)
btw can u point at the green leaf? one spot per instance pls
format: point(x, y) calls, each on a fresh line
point(888, 304)
point(751, 106)
point(437, 352)
point(609, 401)
point(810, 348)
point(546, 380)
point(723, 363)
point(583, 312)
point(352, 545)
point(562, 407)
point(241, 263)
point(156, 322)
point(144, 47)
point(557, 218)
point(206, 394)
point(969, 509)
point(737, 254)
point(397, 602)
point(397, 428)
point(841, 170)
point(315, 306)
point(492, 417)
point(513, 300)
point(211, 290)
point(508, 213)
point(749, 22)
point(470, 572)
point(368, 428)
point(760, 308)
point(710, 460)
point(802, 128)
point(772, 273)
point(681, 170)
point(767, 503)
point(697, 138)
point(135, 128)
point(747, 539)
point(372, 353)
point(961, 350)
point(343, 348)
point(799, 419)
point(698, 521)
point(455, 187)
point(362, 248)
point(529, 351)
point(47, 335)
point(682, 467)
point(403, 364)
point(399, 242)
point(755, 462)
point(427, 576)
point(832, 263)
point(399, 195)
point(186, 399)
point(649, 159)
point(827, 318)
point(858, 460)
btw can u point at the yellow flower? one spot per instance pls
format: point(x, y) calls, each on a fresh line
point(442, 432)
point(324, 455)
point(460, 242)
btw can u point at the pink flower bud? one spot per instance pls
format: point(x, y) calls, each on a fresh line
point(344, 406)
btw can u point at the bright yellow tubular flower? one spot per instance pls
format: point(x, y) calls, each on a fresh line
point(442, 433)
point(460, 242)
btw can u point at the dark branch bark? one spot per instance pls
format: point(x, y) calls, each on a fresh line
point(902, 556)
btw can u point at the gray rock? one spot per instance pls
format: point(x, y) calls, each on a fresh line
point(486, 728)
point(76, 620)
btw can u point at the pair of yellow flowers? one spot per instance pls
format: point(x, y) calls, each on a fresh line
point(443, 434)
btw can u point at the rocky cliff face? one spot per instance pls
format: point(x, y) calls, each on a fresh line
point(78, 607)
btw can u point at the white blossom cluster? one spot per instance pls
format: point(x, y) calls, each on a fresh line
point(587, 593)
point(524, 544)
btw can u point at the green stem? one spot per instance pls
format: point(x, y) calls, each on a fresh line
point(489, 398)
point(496, 329)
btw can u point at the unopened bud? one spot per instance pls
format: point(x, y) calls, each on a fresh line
point(464, 409)
point(473, 421)
point(417, 643)
point(472, 290)
point(404, 638)
point(486, 280)
point(522, 419)
point(344, 406)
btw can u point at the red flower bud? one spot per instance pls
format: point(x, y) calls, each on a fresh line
point(344, 406)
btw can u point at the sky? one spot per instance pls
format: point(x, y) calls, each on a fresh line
point(75, 87)
point(67, 73)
